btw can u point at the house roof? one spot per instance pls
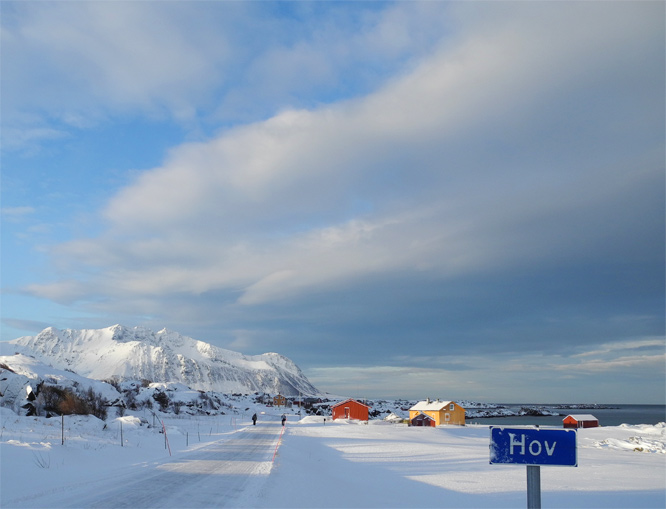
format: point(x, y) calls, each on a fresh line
point(347, 401)
point(583, 417)
point(431, 405)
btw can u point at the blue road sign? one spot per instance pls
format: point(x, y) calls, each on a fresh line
point(533, 446)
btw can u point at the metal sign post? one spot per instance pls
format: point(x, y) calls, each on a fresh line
point(533, 447)
point(533, 487)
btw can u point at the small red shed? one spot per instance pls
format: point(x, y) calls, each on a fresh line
point(422, 420)
point(580, 421)
point(350, 409)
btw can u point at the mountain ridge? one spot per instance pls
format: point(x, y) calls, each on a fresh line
point(165, 356)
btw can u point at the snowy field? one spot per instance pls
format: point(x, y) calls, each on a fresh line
point(223, 461)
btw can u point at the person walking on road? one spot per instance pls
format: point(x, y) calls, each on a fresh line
point(284, 419)
point(254, 420)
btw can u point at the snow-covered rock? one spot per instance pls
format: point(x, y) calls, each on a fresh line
point(22, 375)
point(14, 389)
point(393, 418)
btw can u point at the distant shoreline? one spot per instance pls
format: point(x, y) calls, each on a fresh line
point(552, 415)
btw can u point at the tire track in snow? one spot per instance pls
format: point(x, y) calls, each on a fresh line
point(227, 473)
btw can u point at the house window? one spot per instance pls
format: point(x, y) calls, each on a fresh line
point(452, 407)
point(447, 417)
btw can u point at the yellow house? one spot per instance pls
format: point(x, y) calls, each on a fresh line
point(436, 413)
point(280, 400)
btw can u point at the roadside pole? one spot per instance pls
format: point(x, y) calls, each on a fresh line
point(166, 440)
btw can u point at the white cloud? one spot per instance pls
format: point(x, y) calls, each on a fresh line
point(157, 60)
point(17, 213)
point(63, 291)
point(622, 346)
point(649, 363)
point(66, 66)
point(269, 207)
point(515, 377)
point(23, 137)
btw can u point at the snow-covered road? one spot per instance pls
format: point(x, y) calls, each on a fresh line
point(227, 473)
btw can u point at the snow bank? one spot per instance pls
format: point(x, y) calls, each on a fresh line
point(315, 419)
point(644, 438)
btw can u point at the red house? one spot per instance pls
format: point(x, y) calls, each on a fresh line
point(350, 409)
point(580, 421)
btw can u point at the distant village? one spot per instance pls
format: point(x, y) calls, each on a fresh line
point(428, 412)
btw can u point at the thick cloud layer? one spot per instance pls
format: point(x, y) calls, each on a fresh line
point(501, 193)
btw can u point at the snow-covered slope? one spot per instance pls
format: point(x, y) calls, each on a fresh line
point(21, 374)
point(165, 356)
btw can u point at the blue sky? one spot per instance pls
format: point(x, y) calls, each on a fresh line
point(461, 200)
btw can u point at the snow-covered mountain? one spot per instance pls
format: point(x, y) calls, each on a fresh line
point(165, 356)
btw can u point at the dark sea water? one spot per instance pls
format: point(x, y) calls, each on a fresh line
point(619, 414)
